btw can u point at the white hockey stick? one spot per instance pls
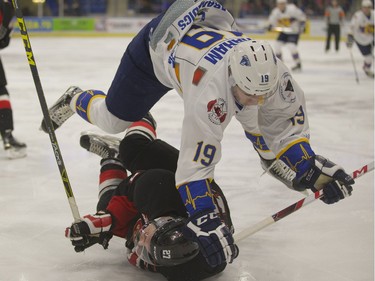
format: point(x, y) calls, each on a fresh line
point(286, 30)
point(294, 207)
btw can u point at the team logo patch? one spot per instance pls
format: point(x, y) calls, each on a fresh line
point(286, 88)
point(245, 61)
point(217, 111)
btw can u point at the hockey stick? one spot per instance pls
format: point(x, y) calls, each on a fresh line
point(354, 67)
point(286, 30)
point(43, 104)
point(294, 207)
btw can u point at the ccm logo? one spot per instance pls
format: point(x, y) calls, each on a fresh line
point(204, 218)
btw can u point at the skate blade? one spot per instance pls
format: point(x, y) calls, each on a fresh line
point(111, 139)
point(15, 153)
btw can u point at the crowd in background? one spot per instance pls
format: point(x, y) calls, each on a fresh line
point(240, 8)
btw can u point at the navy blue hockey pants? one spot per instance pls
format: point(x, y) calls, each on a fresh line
point(135, 88)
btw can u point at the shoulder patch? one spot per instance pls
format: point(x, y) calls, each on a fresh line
point(286, 88)
point(217, 111)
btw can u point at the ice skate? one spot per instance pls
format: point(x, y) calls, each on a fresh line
point(103, 146)
point(61, 111)
point(368, 72)
point(13, 148)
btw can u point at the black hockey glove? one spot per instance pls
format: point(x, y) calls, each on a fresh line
point(4, 36)
point(90, 230)
point(350, 41)
point(213, 237)
point(326, 175)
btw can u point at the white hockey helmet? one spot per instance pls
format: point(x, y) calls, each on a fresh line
point(281, 1)
point(253, 67)
point(366, 3)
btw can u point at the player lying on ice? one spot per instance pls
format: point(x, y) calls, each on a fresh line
point(146, 209)
point(220, 73)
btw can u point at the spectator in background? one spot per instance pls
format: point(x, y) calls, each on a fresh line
point(334, 16)
point(53, 6)
point(119, 8)
point(257, 7)
point(347, 4)
point(145, 7)
point(311, 8)
point(72, 8)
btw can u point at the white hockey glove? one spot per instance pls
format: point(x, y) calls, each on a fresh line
point(90, 230)
point(326, 175)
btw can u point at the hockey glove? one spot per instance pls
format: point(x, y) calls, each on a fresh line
point(326, 175)
point(213, 237)
point(90, 230)
point(4, 36)
point(350, 41)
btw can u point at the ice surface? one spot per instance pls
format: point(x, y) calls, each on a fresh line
point(317, 243)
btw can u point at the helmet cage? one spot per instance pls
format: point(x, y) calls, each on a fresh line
point(168, 246)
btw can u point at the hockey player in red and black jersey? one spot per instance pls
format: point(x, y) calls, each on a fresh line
point(12, 147)
point(145, 208)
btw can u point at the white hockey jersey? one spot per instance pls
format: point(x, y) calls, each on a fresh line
point(362, 27)
point(290, 19)
point(195, 63)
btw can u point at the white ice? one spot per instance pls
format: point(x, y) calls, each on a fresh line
point(317, 243)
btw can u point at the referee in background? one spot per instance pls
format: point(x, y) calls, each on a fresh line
point(334, 16)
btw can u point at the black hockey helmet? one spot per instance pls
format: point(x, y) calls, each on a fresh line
point(168, 246)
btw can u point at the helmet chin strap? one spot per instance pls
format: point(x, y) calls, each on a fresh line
point(243, 99)
point(261, 100)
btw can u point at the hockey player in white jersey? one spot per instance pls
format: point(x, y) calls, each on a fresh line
point(290, 21)
point(220, 73)
point(361, 30)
